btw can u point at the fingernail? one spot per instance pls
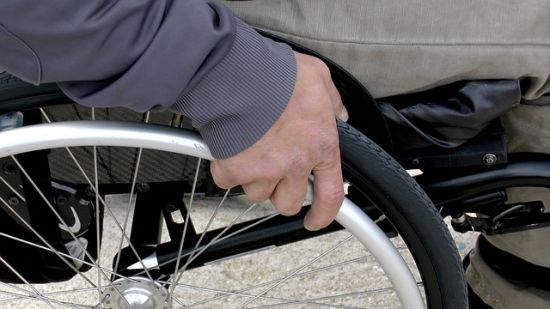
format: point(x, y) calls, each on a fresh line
point(344, 116)
point(309, 227)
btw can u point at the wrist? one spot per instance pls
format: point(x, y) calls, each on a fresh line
point(237, 102)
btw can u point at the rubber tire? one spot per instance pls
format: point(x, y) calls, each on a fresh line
point(377, 175)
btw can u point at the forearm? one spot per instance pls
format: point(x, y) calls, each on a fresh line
point(192, 57)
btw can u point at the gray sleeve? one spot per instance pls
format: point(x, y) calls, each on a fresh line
point(189, 56)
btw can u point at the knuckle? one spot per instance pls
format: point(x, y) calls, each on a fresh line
point(214, 168)
point(321, 67)
point(273, 173)
point(285, 208)
point(218, 176)
point(318, 66)
point(256, 196)
point(216, 171)
point(328, 145)
point(325, 74)
point(297, 164)
point(334, 195)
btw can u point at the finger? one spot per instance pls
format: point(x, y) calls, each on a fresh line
point(259, 191)
point(221, 177)
point(289, 195)
point(339, 109)
point(328, 194)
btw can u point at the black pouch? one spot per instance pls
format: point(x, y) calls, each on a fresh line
point(448, 116)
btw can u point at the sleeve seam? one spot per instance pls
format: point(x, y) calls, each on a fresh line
point(29, 48)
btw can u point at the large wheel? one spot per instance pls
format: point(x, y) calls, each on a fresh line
point(232, 254)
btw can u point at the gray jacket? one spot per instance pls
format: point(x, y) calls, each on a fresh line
point(189, 56)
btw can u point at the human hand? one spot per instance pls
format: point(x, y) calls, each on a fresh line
point(303, 141)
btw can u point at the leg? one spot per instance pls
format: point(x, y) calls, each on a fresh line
point(396, 47)
point(527, 131)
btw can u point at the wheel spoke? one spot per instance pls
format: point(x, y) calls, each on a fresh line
point(62, 221)
point(13, 270)
point(186, 224)
point(245, 295)
point(331, 297)
point(95, 188)
point(16, 296)
point(110, 212)
point(300, 274)
point(191, 257)
point(212, 217)
point(52, 249)
point(297, 270)
point(130, 206)
point(218, 237)
point(68, 256)
point(101, 200)
point(97, 215)
point(19, 195)
point(297, 273)
point(15, 287)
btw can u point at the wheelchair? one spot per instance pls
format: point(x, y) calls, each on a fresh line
point(179, 241)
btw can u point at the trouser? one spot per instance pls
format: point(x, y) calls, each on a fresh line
point(396, 47)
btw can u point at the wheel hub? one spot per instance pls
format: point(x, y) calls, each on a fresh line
point(138, 292)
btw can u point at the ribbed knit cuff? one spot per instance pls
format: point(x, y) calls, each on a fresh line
point(237, 101)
